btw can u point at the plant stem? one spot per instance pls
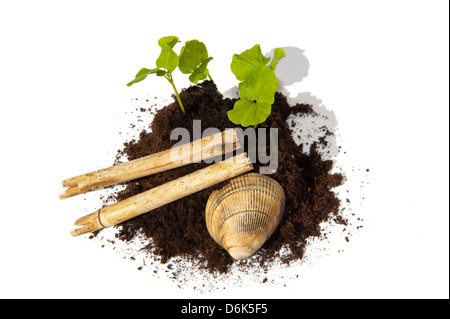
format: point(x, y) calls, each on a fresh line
point(169, 78)
point(210, 78)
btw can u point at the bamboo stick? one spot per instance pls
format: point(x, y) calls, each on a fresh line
point(161, 195)
point(201, 149)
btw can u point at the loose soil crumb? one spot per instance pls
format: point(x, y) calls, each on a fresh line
point(177, 231)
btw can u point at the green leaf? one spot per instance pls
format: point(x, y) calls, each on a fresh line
point(169, 41)
point(143, 73)
point(243, 63)
point(194, 60)
point(260, 85)
point(167, 59)
point(192, 54)
point(257, 87)
point(201, 72)
point(248, 113)
point(277, 55)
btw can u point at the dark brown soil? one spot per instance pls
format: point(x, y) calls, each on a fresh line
point(178, 229)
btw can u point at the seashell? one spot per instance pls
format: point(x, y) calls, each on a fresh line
point(243, 215)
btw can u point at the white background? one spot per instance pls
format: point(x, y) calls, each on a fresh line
point(381, 66)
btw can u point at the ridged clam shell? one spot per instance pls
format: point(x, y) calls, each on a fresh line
point(243, 215)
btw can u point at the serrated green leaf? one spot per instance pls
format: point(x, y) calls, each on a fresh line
point(192, 54)
point(277, 55)
point(259, 85)
point(201, 72)
point(143, 73)
point(248, 113)
point(243, 63)
point(167, 59)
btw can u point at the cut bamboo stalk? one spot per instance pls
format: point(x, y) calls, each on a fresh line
point(202, 149)
point(161, 195)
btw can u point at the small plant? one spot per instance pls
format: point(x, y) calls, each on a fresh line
point(257, 87)
point(166, 63)
point(193, 60)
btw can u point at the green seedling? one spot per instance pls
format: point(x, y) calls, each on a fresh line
point(166, 63)
point(257, 87)
point(193, 60)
